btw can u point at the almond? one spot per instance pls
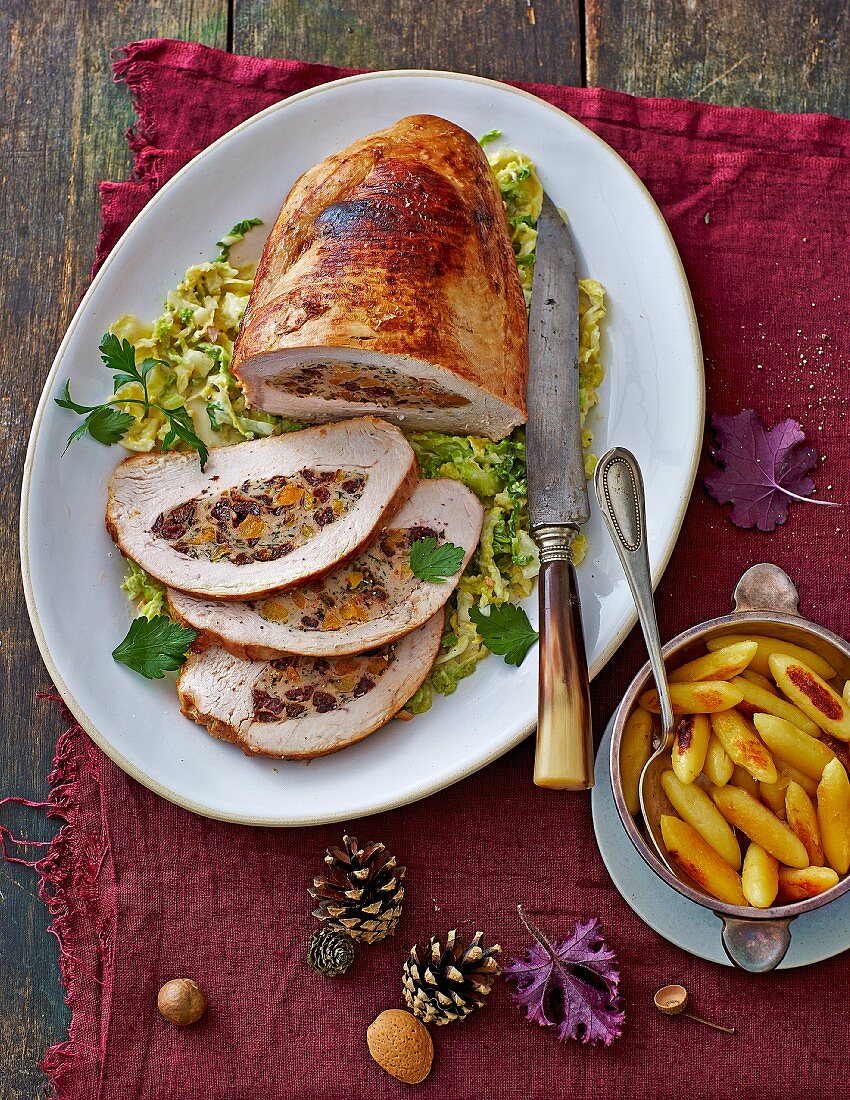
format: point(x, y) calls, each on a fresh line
point(401, 1045)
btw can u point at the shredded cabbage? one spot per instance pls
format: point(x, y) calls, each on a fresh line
point(506, 561)
point(194, 340)
point(522, 194)
point(146, 593)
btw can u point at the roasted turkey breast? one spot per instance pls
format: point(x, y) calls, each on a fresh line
point(388, 284)
point(263, 516)
point(301, 707)
point(367, 603)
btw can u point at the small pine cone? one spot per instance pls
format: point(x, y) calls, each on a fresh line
point(361, 893)
point(444, 984)
point(330, 953)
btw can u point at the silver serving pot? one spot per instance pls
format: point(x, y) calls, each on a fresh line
point(766, 602)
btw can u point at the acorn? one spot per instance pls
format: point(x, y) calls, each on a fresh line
point(401, 1045)
point(181, 1001)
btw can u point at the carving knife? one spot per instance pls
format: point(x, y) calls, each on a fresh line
point(557, 507)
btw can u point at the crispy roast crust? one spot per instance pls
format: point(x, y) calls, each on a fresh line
point(398, 246)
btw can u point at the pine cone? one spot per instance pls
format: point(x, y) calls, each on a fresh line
point(445, 984)
point(330, 953)
point(361, 893)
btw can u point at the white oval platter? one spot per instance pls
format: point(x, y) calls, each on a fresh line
point(652, 402)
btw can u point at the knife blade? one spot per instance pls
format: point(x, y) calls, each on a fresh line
point(557, 506)
point(557, 488)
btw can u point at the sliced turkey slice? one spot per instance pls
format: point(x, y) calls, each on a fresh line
point(301, 707)
point(367, 603)
point(265, 515)
point(388, 284)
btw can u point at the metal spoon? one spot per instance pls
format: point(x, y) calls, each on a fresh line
point(619, 490)
point(673, 1000)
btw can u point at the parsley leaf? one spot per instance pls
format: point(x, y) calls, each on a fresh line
point(506, 630)
point(106, 425)
point(181, 426)
point(236, 234)
point(215, 411)
point(434, 563)
point(155, 646)
point(102, 422)
point(118, 355)
point(139, 375)
point(66, 402)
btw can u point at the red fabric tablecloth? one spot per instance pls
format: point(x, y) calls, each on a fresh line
point(143, 891)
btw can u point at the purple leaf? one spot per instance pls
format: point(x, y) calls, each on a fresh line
point(761, 470)
point(571, 985)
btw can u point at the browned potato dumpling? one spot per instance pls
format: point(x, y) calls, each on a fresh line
point(761, 749)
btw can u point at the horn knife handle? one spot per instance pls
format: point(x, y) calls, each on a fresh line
point(564, 759)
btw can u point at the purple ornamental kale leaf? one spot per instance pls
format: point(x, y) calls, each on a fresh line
point(762, 470)
point(571, 985)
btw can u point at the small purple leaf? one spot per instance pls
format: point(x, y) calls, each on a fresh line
point(761, 470)
point(571, 985)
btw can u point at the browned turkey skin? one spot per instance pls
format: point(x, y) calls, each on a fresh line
point(388, 283)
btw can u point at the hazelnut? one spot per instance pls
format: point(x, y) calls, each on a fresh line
point(181, 1001)
point(401, 1045)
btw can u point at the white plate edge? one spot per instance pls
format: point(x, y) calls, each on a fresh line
point(608, 651)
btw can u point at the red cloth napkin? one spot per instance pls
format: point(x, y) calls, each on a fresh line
point(143, 891)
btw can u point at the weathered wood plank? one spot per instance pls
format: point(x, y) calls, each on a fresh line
point(487, 37)
point(782, 54)
point(62, 126)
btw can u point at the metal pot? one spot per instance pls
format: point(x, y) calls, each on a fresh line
point(766, 602)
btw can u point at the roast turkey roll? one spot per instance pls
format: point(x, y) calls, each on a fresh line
point(372, 600)
point(263, 516)
point(300, 707)
point(388, 285)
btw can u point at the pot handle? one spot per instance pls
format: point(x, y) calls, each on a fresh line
point(756, 946)
point(766, 587)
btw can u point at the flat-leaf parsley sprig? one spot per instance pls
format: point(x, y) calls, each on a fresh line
point(506, 631)
point(108, 424)
point(435, 563)
point(155, 646)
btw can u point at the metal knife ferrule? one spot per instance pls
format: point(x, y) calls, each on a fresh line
point(554, 541)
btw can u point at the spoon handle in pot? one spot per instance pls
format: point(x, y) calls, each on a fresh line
point(619, 491)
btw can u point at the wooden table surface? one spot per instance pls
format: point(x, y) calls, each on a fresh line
point(62, 130)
